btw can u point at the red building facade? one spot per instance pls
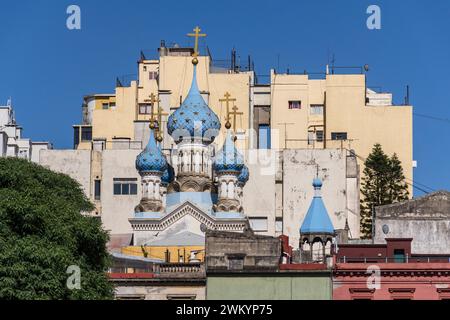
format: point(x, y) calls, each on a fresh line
point(389, 272)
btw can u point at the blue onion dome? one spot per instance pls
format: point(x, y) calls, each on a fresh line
point(244, 175)
point(168, 176)
point(228, 158)
point(151, 159)
point(317, 183)
point(194, 118)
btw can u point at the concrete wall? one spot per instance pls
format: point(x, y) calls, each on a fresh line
point(159, 292)
point(425, 219)
point(74, 163)
point(270, 287)
point(255, 251)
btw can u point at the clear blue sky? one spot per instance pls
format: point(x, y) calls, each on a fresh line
point(47, 69)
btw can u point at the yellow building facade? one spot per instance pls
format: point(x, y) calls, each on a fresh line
point(169, 254)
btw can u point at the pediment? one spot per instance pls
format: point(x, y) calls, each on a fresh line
point(188, 209)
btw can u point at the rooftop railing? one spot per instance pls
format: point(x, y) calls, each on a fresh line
point(403, 259)
point(164, 270)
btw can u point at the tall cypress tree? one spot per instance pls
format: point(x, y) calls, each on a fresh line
point(383, 183)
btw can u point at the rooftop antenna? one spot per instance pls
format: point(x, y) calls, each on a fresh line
point(366, 69)
point(333, 60)
point(407, 96)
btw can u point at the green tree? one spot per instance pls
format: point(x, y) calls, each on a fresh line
point(383, 183)
point(42, 233)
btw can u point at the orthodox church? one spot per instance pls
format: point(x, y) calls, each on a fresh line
point(197, 190)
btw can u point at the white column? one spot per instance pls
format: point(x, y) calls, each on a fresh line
point(197, 161)
point(230, 190)
point(157, 195)
point(150, 189)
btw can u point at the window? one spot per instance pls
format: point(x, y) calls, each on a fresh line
point(145, 68)
point(319, 136)
point(399, 255)
point(125, 186)
point(76, 137)
point(181, 297)
point(278, 224)
point(112, 105)
point(402, 293)
point(236, 261)
point(264, 136)
point(316, 109)
point(258, 223)
point(86, 133)
point(97, 189)
point(145, 108)
point(105, 105)
point(361, 293)
point(297, 104)
point(130, 297)
point(153, 75)
point(444, 293)
point(339, 136)
point(316, 136)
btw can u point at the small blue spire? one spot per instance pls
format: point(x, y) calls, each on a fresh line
point(228, 158)
point(151, 159)
point(317, 219)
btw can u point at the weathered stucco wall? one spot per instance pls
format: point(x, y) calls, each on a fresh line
point(154, 292)
point(74, 163)
point(426, 220)
point(263, 287)
point(299, 170)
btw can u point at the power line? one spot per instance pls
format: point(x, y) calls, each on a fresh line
point(431, 117)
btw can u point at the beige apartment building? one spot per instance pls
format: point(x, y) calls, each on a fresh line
point(292, 111)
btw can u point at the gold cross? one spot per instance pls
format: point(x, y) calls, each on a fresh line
point(196, 35)
point(234, 113)
point(160, 114)
point(227, 100)
point(152, 101)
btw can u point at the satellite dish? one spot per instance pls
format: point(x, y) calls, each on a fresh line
point(203, 228)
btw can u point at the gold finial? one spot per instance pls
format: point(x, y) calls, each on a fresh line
point(159, 137)
point(227, 101)
point(196, 35)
